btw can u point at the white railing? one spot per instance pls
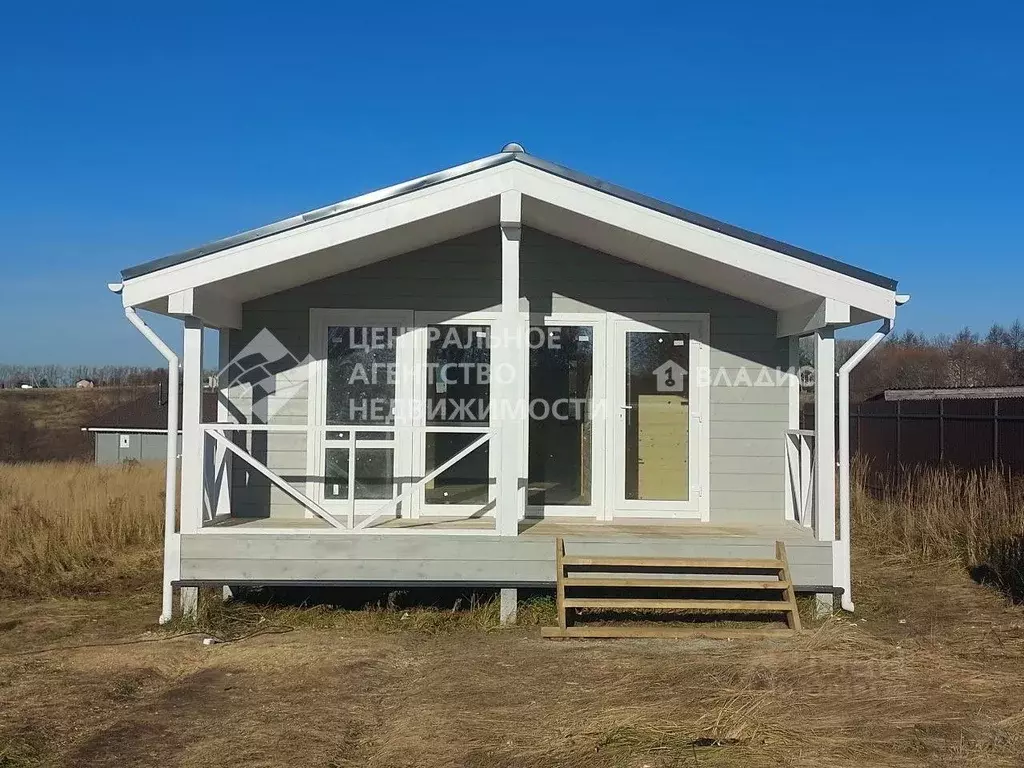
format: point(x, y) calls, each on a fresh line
point(218, 434)
point(800, 463)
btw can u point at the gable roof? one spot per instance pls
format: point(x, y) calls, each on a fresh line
point(512, 153)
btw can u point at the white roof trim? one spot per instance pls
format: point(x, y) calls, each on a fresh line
point(749, 257)
point(476, 186)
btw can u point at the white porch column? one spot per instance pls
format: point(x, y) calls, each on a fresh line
point(825, 443)
point(825, 434)
point(510, 381)
point(191, 444)
point(793, 421)
point(191, 435)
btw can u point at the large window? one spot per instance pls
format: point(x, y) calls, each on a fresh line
point(458, 396)
point(361, 386)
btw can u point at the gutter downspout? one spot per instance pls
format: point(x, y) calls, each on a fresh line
point(844, 452)
point(171, 484)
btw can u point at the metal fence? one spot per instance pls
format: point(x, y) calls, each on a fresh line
point(971, 433)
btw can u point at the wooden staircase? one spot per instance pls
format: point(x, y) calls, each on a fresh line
point(617, 583)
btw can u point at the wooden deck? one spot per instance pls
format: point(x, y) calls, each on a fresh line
point(308, 552)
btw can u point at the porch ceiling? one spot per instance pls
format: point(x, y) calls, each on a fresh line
point(464, 199)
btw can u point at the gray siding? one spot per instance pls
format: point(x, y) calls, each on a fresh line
point(463, 275)
point(746, 421)
point(141, 447)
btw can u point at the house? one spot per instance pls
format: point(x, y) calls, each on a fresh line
point(137, 428)
point(85, 384)
point(424, 385)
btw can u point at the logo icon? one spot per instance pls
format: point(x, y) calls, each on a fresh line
point(268, 368)
point(671, 377)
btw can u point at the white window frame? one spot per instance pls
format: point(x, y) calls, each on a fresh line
point(697, 506)
point(598, 321)
point(420, 508)
point(316, 444)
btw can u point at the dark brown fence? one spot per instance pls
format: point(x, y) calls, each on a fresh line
point(964, 433)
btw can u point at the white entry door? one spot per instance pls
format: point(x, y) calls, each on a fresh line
point(658, 380)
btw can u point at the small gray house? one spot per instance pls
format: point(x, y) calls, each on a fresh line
point(137, 428)
point(427, 384)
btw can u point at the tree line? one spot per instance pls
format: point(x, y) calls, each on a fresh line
point(912, 360)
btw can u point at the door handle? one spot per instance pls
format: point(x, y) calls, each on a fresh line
point(627, 407)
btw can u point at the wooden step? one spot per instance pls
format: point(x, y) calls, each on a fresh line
point(596, 580)
point(672, 562)
point(612, 574)
point(735, 606)
point(678, 633)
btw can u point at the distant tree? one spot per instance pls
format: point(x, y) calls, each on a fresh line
point(914, 360)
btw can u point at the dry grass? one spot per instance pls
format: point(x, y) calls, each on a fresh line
point(75, 528)
point(930, 671)
point(871, 691)
point(975, 518)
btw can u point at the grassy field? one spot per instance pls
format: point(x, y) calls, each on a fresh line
point(72, 528)
point(930, 671)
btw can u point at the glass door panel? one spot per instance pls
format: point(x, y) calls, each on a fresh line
point(657, 416)
point(560, 444)
point(657, 411)
point(457, 401)
point(361, 391)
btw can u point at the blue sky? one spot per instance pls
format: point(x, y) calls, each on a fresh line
point(887, 134)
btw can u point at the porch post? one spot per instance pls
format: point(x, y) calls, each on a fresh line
point(825, 442)
point(510, 388)
point(509, 361)
point(793, 421)
point(191, 444)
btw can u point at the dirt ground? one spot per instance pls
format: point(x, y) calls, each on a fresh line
point(929, 672)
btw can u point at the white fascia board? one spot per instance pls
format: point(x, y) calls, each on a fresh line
point(756, 259)
point(806, 318)
point(215, 311)
point(318, 235)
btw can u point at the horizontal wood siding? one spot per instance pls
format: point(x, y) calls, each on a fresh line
point(461, 275)
point(749, 399)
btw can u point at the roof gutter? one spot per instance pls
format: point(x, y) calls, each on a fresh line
point(841, 557)
point(171, 479)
